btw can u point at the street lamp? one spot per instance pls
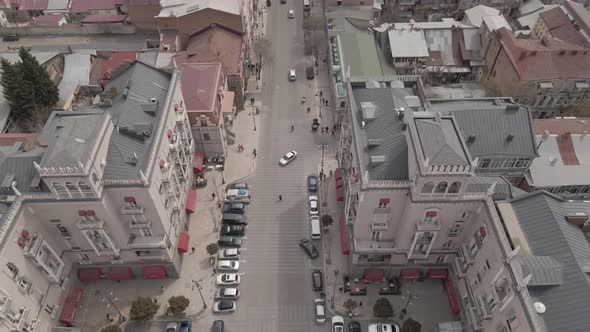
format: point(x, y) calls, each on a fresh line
point(112, 302)
point(202, 299)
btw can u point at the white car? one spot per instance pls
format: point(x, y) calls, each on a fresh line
point(291, 13)
point(292, 75)
point(313, 206)
point(222, 307)
point(172, 327)
point(390, 327)
point(337, 324)
point(228, 279)
point(229, 253)
point(227, 293)
point(320, 311)
point(287, 158)
point(227, 265)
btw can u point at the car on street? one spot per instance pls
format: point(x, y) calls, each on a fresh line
point(222, 307)
point(186, 326)
point(230, 241)
point(318, 280)
point(283, 1)
point(312, 183)
point(320, 311)
point(172, 327)
point(337, 324)
point(228, 279)
point(237, 185)
point(314, 209)
point(227, 265)
point(309, 248)
point(310, 73)
point(288, 157)
point(238, 230)
point(229, 253)
point(291, 13)
point(354, 326)
point(234, 219)
point(235, 208)
point(381, 327)
point(10, 38)
point(227, 293)
point(217, 326)
point(292, 75)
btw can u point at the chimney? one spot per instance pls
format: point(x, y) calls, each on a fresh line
point(510, 137)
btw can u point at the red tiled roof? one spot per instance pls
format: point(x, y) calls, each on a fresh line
point(562, 126)
point(560, 26)
point(542, 60)
point(116, 59)
point(567, 150)
point(104, 19)
point(33, 5)
point(83, 6)
point(199, 83)
point(10, 139)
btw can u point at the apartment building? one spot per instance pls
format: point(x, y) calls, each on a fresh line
point(104, 195)
point(504, 6)
point(556, 23)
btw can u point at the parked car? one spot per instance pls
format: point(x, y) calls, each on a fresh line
point(10, 38)
point(318, 280)
point(354, 326)
point(291, 13)
point(186, 326)
point(227, 265)
point(222, 307)
point(229, 253)
point(292, 75)
point(235, 208)
point(310, 73)
point(230, 241)
point(312, 183)
point(320, 311)
point(238, 230)
point(309, 248)
point(337, 324)
point(171, 327)
point(389, 327)
point(237, 196)
point(238, 185)
point(283, 1)
point(227, 293)
point(234, 219)
point(217, 326)
point(288, 157)
point(314, 209)
point(238, 192)
point(228, 279)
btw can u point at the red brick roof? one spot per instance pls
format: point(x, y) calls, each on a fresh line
point(199, 83)
point(83, 6)
point(10, 139)
point(548, 59)
point(47, 20)
point(562, 126)
point(33, 5)
point(567, 150)
point(104, 19)
point(116, 59)
point(560, 26)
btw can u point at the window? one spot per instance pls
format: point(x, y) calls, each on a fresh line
point(428, 187)
point(466, 300)
point(487, 265)
point(203, 122)
point(478, 277)
point(376, 236)
point(60, 190)
point(480, 235)
point(441, 188)
point(441, 259)
point(73, 189)
point(161, 188)
point(24, 284)
point(145, 232)
point(511, 320)
point(449, 244)
point(206, 137)
point(11, 270)
point(85, 188)
point(63, 230)
point(383, 202)
point(522, 163)
point(455, 230)
point(455, 187)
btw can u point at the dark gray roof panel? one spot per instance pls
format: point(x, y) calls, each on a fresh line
point(18, 163)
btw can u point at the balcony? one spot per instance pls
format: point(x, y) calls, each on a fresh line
point(42, 255)
point(379, 226)
point(138, 224)
point(433, 225)
point(374, 246)
point(466, 254)
point(86, 223)
point(132, 210)
point(152, 242)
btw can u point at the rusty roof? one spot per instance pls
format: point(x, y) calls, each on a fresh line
point(562, 126)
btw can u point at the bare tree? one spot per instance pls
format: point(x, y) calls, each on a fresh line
point(318, 41)
point(314, 23)
point(262, 48)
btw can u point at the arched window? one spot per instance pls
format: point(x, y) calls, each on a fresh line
point(454, 187)
point(73, 190)
point(441, 187)
point(428, 187)
point(85, 188)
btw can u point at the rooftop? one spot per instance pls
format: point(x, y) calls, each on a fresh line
point(439, 140)
point(359, 51)
point(76, 72)
point(579, 13)
point(530, 14)
point(47, 20)
point(561, 26)
point(475, 15)
point(17, 165)
point(408, 43)
point(560, 126)
point(198, 82)
point(33, 5)
point(98, 18)
point(83, 6)
point(176, 8)
point(491, 128)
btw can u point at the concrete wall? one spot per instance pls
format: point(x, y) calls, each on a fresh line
point(72, 29)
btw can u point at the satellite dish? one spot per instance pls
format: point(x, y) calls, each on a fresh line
point(539, 307)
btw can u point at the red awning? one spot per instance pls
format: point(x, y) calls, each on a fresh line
point(409, 274)
point(89, 274)
point(154, 272)
point(452, 297)
point(438, 274)
point(121, 273)
point(191, 201)
point(384, 201)
point(374, 275)
point(339, 193)
point(69, 306)
point(198, 162)
point(338, 174)
point(344, 237)
point(183, 240)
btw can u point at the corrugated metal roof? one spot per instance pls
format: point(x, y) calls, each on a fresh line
point(15, 161)
point(543, 270)
point(359, 51)
point(440, 142)
point(476, 14)
point(76, 72)
point(408, 43)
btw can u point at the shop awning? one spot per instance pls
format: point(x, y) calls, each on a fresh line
point(338, 174)
point(183, 240)
point(69, 306)
point(121, 273)
point(154, 272)
point(455, 308)
point(438, 273)
point(374, 275)
point(409, 274)
point(198, 158)
point(88, 274)
point(191, 201)
point(339, 193)
point(344, 237)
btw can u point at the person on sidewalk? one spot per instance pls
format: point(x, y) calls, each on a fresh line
point(212, 196)
point(254, 153)
point(321, 93)
point(280, 197)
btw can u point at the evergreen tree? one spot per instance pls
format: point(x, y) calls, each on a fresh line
point(46, 93)
point(17, 91)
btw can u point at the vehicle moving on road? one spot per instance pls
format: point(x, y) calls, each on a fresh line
point(227, 265)
point(318, 280)
point(292, 75)
point(309, 248)
point(337, 324)
point(227, 293)
point(222, 307)
point(291, 13)
point(237, 185)
point(389, 327)
point(230, 253)
point(229, 241)
point(320, 311)
point(288, 158)
point(228, 279)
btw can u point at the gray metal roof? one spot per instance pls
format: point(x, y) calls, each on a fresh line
point(386, 127)
point(440, 142)
point(491, 121)
point(501, 188)
point(76, 72)
point(17, 164)
point(542, 219)
point(543, 270)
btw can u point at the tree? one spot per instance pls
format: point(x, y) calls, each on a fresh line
point(18, 92)
point(314, 23)
point(382, 308)
point(143, 308)
point(262, 49)
point(318, 41)
point(411, 325)
point(111, 328)
point(327, 220)
point(350, 305)
point(46, 93)
point(177, 305)
point(212, 249)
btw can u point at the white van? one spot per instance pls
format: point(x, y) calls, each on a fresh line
point(237, 196)
point(315, 227)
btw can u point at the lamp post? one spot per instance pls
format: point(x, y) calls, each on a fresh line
point(201, 294)
point(112, 302)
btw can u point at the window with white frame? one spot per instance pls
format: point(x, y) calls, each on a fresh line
point(60, 190)
point(73, 190)
point(375, 235)
point(84, 257)
point(145, 232)
point(24, 284)
point(441, 259)
point(455, 230)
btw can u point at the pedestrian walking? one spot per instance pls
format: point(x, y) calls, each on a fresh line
point(212, 196)
point(331, 172)
point(332, 132)
point(360, 303)
point(214, 270)
point(193, 250)
point(252, 101)
point(327, 129)
point(108, 316)
point(163, 289)
point(254, 152)
point(322, 130)
point(321, 93)
point(280, 197)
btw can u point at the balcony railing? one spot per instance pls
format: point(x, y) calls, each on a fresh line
point(137, 242)
point(91, 224)
point(132, 210)
point(428, 225)
point(374, 246)
point(137, 224)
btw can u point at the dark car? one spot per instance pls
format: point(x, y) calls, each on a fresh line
point(238, 208)
point(186, 326)
point(309, 248)
point(318, 280)
point(217, 326)
point(11, 37)
point(237, 185)
point(230, 241)
point(312, 183)
point(234, 219)
point(238, 230)
point(354, 326)
point(309, 73)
